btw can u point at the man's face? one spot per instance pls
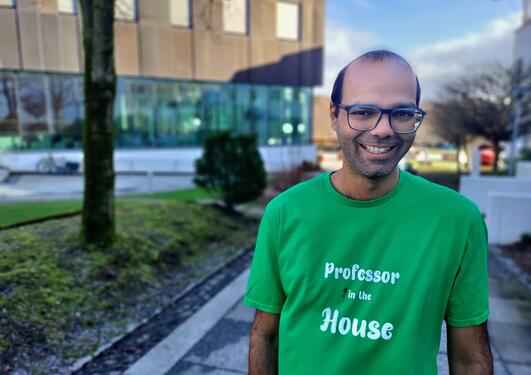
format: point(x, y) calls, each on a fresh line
point(386, 84)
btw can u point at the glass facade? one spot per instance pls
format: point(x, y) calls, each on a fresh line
point(45, 111)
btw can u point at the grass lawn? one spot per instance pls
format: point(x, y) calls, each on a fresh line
point(178, 195)
point(60, 300)
point(15, 213)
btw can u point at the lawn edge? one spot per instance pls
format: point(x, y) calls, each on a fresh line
point(83, 361)
point(63, 215)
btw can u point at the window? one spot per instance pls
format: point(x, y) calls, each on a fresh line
point(7, 3)
point(45, 111)
point(66, 6)
point(125, 10)
point(66, 110)
point(8, 105)
point(288, 21)
point(235, 16)
point(180, 12)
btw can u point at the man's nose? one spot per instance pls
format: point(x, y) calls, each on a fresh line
point(383, 128)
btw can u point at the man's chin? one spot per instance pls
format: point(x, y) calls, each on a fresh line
point(375, 173)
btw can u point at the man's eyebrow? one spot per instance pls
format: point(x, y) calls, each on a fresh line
point(395, 105)
point(407, 105)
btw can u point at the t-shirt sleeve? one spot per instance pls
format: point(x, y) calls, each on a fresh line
point(468, 304)
point(264, 288)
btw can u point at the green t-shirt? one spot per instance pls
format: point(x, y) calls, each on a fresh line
point(362, 287)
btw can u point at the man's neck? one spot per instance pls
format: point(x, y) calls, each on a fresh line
point(358, 187)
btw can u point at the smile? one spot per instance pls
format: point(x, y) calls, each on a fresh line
point(377, 149)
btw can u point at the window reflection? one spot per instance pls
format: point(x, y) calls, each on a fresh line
point(9, 124)
point(45, 111)
point(34, 112)
point(66, 109)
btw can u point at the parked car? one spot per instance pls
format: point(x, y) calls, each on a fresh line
point(486, 154)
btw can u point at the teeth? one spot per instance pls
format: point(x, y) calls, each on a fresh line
point(376, 150)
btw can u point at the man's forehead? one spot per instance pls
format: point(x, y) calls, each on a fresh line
point(358, 67)
point(390, 76)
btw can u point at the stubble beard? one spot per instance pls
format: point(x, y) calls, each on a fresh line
point(372, 170)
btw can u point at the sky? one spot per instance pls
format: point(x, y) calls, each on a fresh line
point(441, 39)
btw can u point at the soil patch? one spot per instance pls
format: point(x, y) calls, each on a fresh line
point(520, 253)
point(61, 300)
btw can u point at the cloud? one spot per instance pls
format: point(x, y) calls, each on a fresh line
point(446, 60)
point(342, 44)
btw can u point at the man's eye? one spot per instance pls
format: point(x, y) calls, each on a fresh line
point(360, 113)
point(403, 114)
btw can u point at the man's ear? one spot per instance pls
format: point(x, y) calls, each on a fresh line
point(333, 118)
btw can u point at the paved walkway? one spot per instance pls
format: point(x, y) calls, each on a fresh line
point(224, 347)
point(52, 187)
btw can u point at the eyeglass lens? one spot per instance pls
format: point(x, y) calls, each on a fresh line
point(403, 120)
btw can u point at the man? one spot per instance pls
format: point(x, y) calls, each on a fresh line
point(355, 270)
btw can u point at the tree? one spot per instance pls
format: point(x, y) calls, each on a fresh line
point(98, 224)
point(478, 105)
point(231, 164)
point(448, 124)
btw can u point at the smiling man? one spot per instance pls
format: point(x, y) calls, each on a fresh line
point(355, 270)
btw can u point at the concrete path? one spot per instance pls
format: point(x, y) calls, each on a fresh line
point(53, 187)
point(224, 349)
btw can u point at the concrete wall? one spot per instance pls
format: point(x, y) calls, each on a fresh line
point(322, 135)
point(45, 40)
point(477, 189)
point(126, 51)
point(180, 160)
point(505, 202)
point(523, 169)
point(9, 48)
point(508, 217)
point(152, 46)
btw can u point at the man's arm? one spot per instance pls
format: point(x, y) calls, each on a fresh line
point(263, 348)
point(469, 350)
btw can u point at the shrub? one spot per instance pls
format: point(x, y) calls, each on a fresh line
point(526, 238)
point(231, 164)
point(286, 179)
point(309, 166)
point(525, 154)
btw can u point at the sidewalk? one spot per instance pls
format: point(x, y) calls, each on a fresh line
point(52, 187)
point(224, 348)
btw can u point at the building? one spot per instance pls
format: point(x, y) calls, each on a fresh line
point(522, 48)
point(322, 134)
point(185, 68)
point(522, 52)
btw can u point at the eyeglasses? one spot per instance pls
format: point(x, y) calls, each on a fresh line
point(366, 117)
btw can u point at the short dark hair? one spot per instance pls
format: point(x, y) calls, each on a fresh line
point(376, 55)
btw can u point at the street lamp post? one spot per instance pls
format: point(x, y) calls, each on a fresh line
point(518, 92)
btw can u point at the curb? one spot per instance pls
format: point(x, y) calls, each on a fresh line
point(510, 266)
point(82, 362)
point(160, 359)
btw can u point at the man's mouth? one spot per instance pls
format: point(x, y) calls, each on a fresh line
point(377, 149)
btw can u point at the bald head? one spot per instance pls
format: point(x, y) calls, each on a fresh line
point(356, 67)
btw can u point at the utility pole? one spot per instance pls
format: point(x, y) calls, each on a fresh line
point(518, 93)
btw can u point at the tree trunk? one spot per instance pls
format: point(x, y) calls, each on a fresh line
point(98, 130)
point(457, 163)
point(497, 149)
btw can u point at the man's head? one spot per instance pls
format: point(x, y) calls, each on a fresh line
point(385, 80)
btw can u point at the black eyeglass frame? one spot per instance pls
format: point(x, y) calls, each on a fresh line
point(382, 111)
